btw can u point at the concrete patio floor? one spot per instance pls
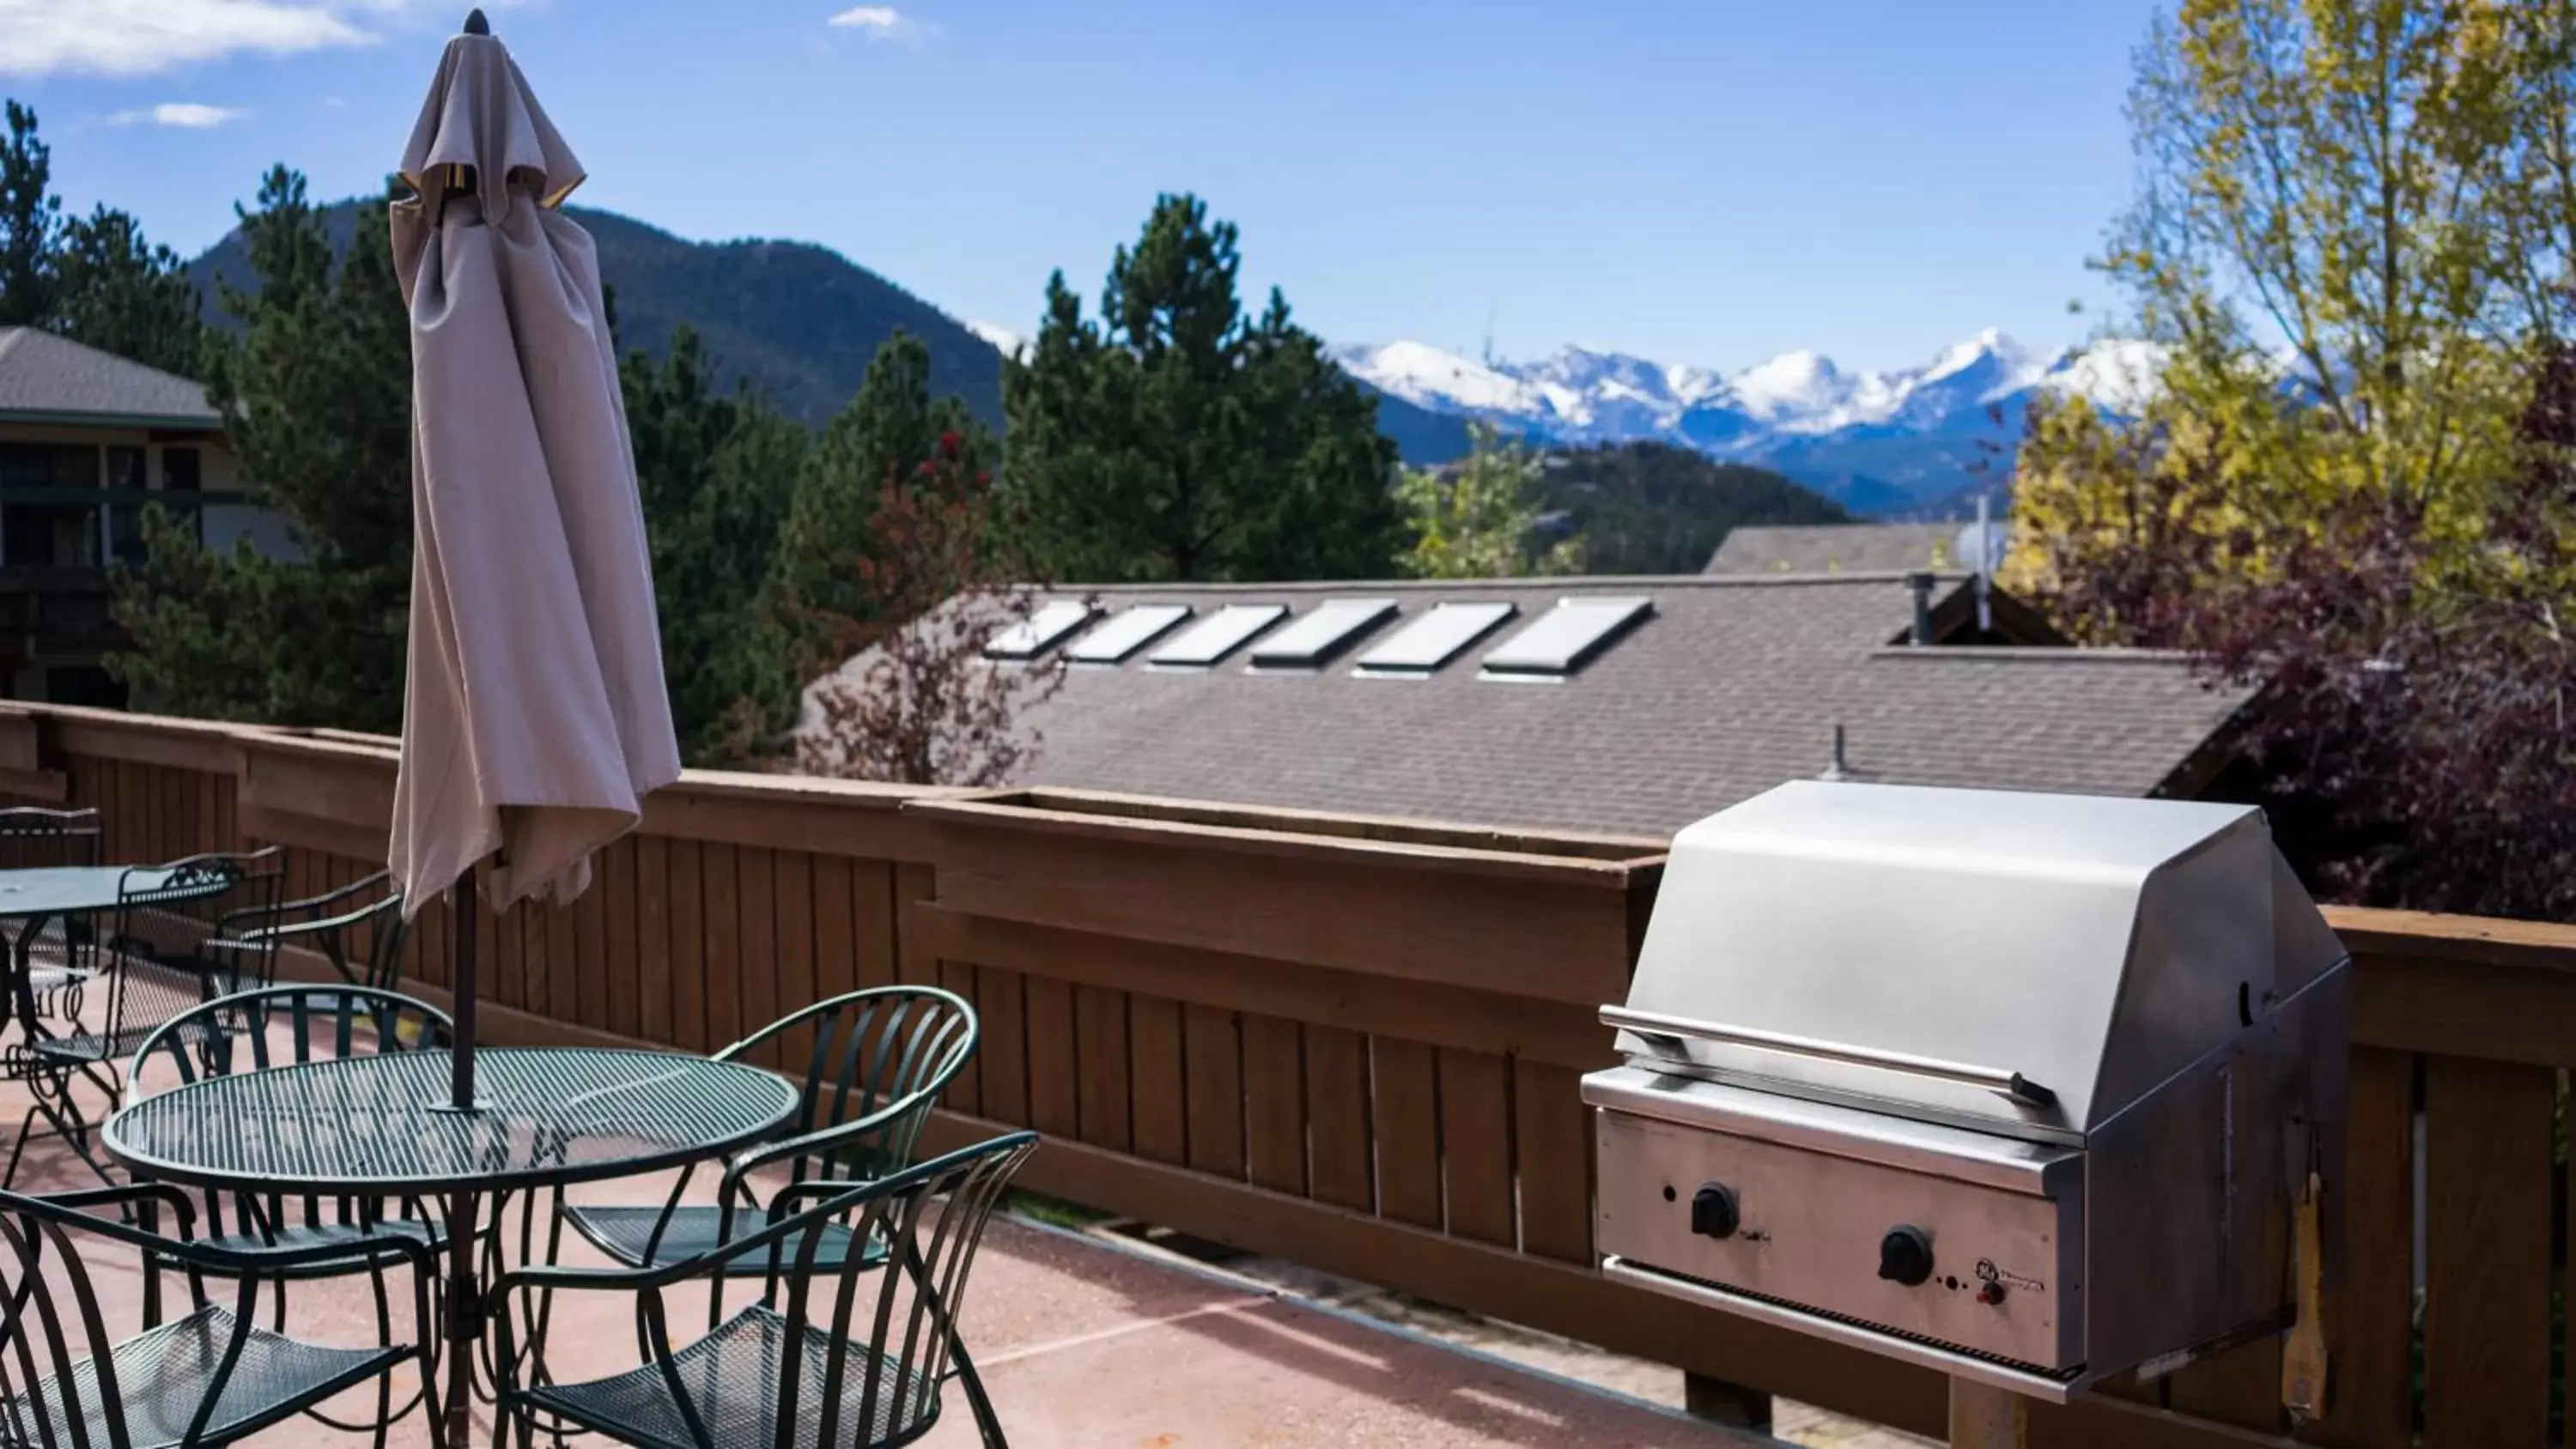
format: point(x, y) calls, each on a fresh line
point(1083, 1343)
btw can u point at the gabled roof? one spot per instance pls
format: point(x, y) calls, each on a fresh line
point(1850, 548)
point(45, 378)
point(1732, 686)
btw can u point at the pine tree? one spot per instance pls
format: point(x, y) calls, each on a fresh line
point(1175, 439)
point(716, 473)
point(316, 396)
point(889, 432)
point(30, 215)
point(119, 293)
point(894, 445)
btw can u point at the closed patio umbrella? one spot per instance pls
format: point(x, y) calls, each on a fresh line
point(535, 718)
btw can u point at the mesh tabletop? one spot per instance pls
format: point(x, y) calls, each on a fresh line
point(381, 1124)
point(79, 890)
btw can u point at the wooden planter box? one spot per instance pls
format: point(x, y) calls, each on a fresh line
point(1546, 916)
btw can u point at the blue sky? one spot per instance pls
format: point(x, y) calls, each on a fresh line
point(1699, 181)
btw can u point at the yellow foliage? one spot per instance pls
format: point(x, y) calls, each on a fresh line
point(1476, 520)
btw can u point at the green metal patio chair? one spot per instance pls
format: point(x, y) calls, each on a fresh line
point(158, 964)
point(289, 1026)
point(879, 1059)
point(816, 1363)
point(35, 838)
point(359, 929)
point(209, 1376)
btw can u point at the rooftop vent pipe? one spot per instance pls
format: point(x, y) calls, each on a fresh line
point(1921, 583)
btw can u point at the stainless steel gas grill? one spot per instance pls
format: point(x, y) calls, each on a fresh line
point(2031, 1089)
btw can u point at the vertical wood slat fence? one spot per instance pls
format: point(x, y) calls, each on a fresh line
point(1355, 1044)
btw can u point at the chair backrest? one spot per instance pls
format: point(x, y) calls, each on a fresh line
point(880, 1057)
point(905, 1315)
point(167, 913)
point(276, 1027)
point(57, 1318)
point(34, 838)
point(371, 939)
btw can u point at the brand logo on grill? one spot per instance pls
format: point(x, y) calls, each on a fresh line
point(1987, 1272)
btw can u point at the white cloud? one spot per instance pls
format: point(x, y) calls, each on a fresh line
point(186, 115)
point(883, 22)
point(144, 37)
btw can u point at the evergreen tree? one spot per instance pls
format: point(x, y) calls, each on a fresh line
point(119, 293)
point(1175, 439)
point(316, 396)
point(715, 473)
point(889, 432)
point(30, 215)
point(894, 445)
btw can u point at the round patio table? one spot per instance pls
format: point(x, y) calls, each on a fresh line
point(382, 1126)
point(31, 898)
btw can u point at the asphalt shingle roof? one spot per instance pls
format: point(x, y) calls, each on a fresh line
point(1733, 686)
point(1850, 548)
point(54, 377)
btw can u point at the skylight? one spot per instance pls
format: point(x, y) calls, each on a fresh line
point(1218, 635)
point(1566, 637)
point(1123, 635)
point(1435, 638)
point(1313, 640)
point(1037, 633)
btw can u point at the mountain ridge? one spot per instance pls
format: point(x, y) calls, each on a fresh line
point(1877, 442)
point(797, 321)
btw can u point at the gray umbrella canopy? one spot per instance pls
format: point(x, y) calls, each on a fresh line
point(535, 717)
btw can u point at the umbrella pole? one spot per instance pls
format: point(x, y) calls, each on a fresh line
point(464, 1317)
point(464, 927)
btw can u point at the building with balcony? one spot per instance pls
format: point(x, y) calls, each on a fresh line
point(87, 441)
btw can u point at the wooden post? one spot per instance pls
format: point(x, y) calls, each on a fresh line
point(1718, 1402)
point(1985, 1417)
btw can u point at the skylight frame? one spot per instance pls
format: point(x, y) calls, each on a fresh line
point(1033, 636)
point(1561, 642)
point(1218, 635)
point(1453, 626)
point(1146, 622)
point(1318, 636)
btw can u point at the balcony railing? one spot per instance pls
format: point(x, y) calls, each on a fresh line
point(1355, 1043)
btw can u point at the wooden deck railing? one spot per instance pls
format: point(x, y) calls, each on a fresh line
point(1355, 1044)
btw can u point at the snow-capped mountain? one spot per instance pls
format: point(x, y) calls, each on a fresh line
point(1882, 441)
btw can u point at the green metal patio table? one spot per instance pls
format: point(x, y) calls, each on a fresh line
point(383, 1127)
point(30, 899)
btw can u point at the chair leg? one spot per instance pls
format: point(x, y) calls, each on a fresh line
point(979, 1402)
point(62, 1114)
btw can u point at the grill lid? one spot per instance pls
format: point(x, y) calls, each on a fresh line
point(2020, 963)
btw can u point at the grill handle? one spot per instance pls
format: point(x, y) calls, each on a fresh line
point(1657, 1026)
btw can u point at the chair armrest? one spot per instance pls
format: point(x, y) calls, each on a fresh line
point(823, 1138)
point(373, 1247)
point(296, 930)
point(161, 1193)
point(845, 1196)
point(306, 906)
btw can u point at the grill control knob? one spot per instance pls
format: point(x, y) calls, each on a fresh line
point(1713, 1211)
point(1905, 1256)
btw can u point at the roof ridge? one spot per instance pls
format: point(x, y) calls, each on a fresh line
point(1527, 582)
point(119, 358)
point(2028, 653)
